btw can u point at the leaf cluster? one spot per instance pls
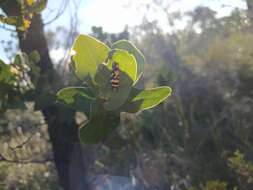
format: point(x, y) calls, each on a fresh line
point(17, 80)
point(92, 63)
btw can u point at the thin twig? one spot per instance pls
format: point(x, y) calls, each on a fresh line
point(27, 140)
point(59, 13)
point(22, 144)
point(31, 161)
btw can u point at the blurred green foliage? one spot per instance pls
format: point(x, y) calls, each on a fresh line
point(243, 168)
point(208, 117)
point(18, 80)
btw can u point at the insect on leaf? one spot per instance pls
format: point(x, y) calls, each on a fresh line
point(128, 46)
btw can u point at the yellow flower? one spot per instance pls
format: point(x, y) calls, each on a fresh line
point(26, 23)
point(30, 2)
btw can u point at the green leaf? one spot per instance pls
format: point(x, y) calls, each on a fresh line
point(146, 99)
point(78, 98)
point(34, 56)
point(11, 20)
point(89, 53)
point(128, 69)
point(100, 126)
point(17, 60)
point(128, 46)
point(5, 73)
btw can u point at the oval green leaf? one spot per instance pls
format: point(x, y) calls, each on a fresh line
point(88, 54)
point(145, 99)
point(11, 20)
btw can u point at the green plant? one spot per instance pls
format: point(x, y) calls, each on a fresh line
point(18, 80)
point(92, 64)
point(242, 167)
point(215, 185)
point(212, 185)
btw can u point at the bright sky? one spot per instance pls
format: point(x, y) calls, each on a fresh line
point(114, 15)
